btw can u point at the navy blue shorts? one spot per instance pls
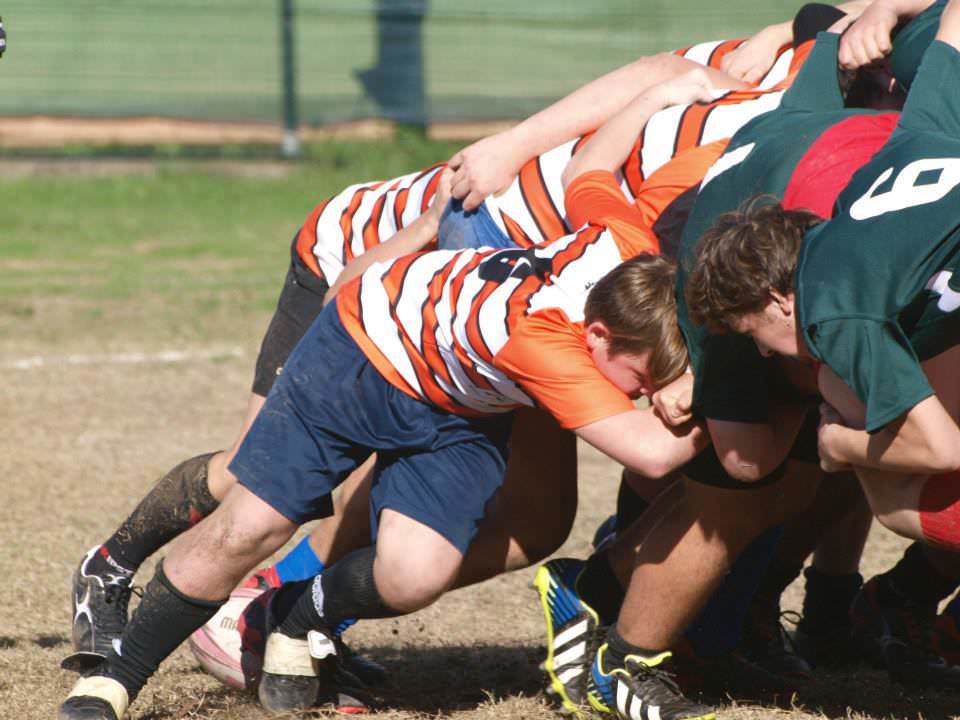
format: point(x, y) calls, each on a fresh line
point(460, 229)
point(330, 409)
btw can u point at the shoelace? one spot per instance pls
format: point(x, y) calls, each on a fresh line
point(641, 672)
point(119, 594)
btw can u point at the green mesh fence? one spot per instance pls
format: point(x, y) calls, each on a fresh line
point(430, 60)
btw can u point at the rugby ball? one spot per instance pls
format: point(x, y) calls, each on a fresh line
point(230, 645)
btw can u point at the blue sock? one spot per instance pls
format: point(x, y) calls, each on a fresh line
point(718, 627)
point(301, 563)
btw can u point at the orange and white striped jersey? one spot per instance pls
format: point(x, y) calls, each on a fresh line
point(532, 209)
point(478, 332)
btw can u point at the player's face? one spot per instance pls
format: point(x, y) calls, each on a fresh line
point(627, 371)
point(774, 328)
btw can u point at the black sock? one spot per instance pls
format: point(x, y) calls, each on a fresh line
point(630, 506)
point(600, 588)
point(826, 604)
point(163, 620)
point(914, 581)
point(175, 504)
point(776, 579)
point(342, 592)
point(618, 649)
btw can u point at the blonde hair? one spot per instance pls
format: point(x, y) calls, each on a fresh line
point(637, 304)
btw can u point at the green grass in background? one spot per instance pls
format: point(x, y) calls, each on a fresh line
point(219, 59)
point(186, 250)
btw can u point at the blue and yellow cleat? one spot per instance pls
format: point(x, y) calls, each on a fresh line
point(572, 631)
point(641, 690)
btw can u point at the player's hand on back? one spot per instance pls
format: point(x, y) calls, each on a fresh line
point(830, 422)
point(673, 403)
point(754, 58)
point(484, 168)
point(868, 39)
point(691, 87)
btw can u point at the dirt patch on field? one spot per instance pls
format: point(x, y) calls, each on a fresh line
point(81, 443)
point(44, 131)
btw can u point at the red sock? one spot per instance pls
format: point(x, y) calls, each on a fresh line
point(940, 510)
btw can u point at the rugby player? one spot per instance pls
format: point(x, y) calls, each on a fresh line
point(436, 407)
point(884, 330)
point(688, 553)
point(344, 227)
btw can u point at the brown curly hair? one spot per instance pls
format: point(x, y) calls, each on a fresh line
point(742, 257)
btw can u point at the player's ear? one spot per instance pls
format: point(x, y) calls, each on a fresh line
point(784, 302)
point(597, 334)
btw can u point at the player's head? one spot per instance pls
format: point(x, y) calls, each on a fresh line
point(743, 279)
point(630, 320)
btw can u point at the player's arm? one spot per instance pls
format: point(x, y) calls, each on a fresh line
point(413, 238)
point(489, 165)
point(640, 441)
point(925, 440)
point(751, 451)
point(610, 146)
point(949, 31)
point(754, 58)
point(869, 39)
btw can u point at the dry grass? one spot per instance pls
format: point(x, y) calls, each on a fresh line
point(82, 443)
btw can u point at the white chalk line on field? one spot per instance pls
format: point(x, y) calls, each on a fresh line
point(34, 362)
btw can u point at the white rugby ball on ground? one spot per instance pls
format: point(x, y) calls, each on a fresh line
point(220, 649)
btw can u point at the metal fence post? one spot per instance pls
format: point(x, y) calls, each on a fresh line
point(291, 141)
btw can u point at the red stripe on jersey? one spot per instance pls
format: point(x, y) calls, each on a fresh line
point(575, 250)
point(691, 126)
point(399, 206)
point(474, 336)
point(346, 219)
point(371, 228)
point(515, 232)
point(720, 51)
point(307, 238)
point(538, 201)
point(578, 145)
point(431, 189)
point(351, 315)
point(682, 51)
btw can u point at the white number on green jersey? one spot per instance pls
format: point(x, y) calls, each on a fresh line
point(905, 192)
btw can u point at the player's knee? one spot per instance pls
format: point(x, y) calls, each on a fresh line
point(219, 477)
point(409, 581)
point(240, 530)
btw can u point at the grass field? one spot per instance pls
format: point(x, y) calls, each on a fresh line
point(104, 265)
point(219, 59)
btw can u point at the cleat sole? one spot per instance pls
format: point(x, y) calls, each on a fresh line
point(82, 662)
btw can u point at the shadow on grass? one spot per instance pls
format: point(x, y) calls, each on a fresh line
point(442, 680)
point(860, 692)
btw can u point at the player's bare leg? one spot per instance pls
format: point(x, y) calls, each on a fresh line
point(102, 584)
point(687, 554)
point(203, 565)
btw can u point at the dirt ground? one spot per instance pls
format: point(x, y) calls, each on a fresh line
point(45, 131)
point(83, 439)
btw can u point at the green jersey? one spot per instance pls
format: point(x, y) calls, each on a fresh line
point(878, 287)
point(731, 377)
